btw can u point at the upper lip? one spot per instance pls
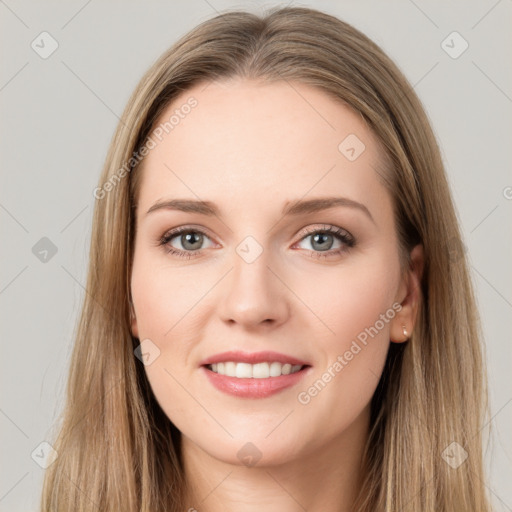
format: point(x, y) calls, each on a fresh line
point(238, 356)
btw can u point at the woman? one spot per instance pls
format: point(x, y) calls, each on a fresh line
point(279, 315)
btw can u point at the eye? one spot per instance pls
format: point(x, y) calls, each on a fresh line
point(190, 239)
point(322, 241)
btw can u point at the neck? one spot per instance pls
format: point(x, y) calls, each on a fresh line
point(325, 478)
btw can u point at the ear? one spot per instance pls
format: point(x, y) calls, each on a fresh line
point(133, 321)
point(409, 297)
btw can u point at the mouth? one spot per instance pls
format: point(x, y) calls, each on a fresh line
point(257, 375)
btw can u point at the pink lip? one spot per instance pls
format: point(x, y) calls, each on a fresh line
point(256, 357)
point(254, 388)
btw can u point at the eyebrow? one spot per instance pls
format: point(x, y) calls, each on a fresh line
point(294, 208)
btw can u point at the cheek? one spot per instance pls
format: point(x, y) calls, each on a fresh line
point(346, 301)
point(168, 304)
point(162, 301)
point(162, 297)
point(353, 339)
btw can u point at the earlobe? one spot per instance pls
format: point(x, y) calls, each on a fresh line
point(403, 324)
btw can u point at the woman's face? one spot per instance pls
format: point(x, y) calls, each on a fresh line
point(320, 288)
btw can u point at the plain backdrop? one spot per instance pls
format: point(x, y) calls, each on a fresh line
point(59, 112)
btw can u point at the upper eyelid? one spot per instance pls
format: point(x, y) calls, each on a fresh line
point(171, 233)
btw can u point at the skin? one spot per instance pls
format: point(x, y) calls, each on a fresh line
point(250, 147)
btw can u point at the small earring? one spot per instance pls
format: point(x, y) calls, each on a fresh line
point(404, 330)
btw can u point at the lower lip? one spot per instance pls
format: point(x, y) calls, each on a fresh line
point(254, 388)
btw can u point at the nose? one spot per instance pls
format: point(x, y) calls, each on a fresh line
point(254, 293)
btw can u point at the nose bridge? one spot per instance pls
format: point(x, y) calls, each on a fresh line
point(251, 265)
point(253, 292)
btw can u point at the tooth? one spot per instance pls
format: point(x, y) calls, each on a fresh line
point(244, 370)
point(260, 371)
point(256, 371)
point(230, 369)
point(287, 368)
point(275, 369)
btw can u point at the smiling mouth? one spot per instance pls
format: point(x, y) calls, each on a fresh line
point(263, 370)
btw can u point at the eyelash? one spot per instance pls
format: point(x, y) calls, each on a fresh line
point(343, 236)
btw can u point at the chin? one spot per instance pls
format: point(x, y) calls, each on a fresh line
point(251, 451)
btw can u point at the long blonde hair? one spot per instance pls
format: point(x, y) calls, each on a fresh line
point(116, 448)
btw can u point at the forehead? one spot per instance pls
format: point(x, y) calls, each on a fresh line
point(244, 141)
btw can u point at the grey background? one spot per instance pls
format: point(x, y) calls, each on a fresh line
point(57, 118)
